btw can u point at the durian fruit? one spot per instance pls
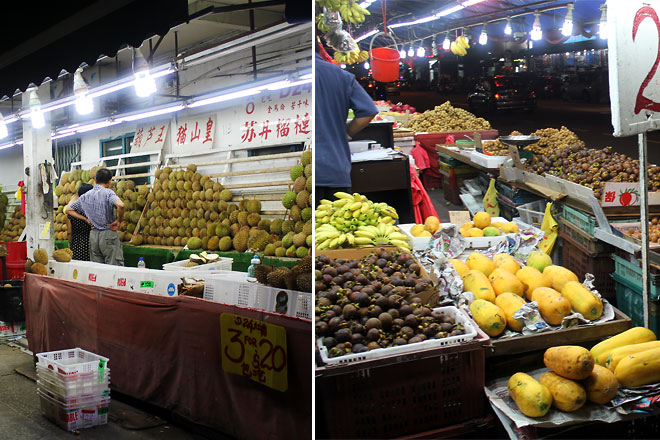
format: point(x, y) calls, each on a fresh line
point(291, 252)
point(241, 241)
point(253, 205)
point(261, 273)
point(302, 251)
point(243, 218)
point(276, 277)
point(280, 251)
point(39, 268)
point(225, 243)
point(287, 240)
point(290, 278)
point(40, 256)
point(287, 226)
point(253, 219)
point(28, 265)
point(259, 240)
point(63, 255)
point(264, 224)
point(213, 243)
point(305, 264)
point(299, 184)
point(276, 226)
point(299, 239)
point(194, 243)
point(302, 199)
point(270, 249)
point(289, 199)
point(306, 214)
point(306, 158)
point(296, 171)
point(296, 213)
point(304, 282)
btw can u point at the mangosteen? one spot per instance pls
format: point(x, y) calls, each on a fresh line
point(414, 268)
point(363, 319)
point(319, 286)
point(394, 313)
point(354, 287)
point(457, 332)
point(449, 320)
point(416, 300)
point(407, 331)
point(343, 335)
point(359, 348)
point(388, 270)
point(372, 346)
point(364, 312)
point(361, 279)
point(386, 289)
point(322, 328)
point(395, 300)
point(432, 329)
point(400, 290)
point(376, 285)
point(336, 310)
point(327, 278)
point(397, 323)
point(405, 310)
point(373, 334)
point(335, 323)
point(409, 282)
point(330, 271)
point(373, 323)
point(415, 339)
point(362, 299)
point(383, 302)
point(329, 341)
point(386, 320)
point(350, 311)
point(438, 314)
point(357, 338)
point(375, 310)
point(356, 327)
point(338, 281)
point(396, 281)
point(399, 341)
point(342, 268)
point(323, 302)
point(327, 315)
point(368, 290)
point(347, 276)
point(446, 327)
point(411, 320)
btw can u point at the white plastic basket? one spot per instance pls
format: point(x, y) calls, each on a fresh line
point(420, 243)
point(459, 317)
point(223, 263)
point(73, 361)
point(72, 419)
point(82, 386)
point(73, 400)
point(532, 213)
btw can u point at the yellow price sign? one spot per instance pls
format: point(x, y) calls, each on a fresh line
point(254, 349)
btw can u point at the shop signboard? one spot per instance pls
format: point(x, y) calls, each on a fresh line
point(634, 55)
point(254, 349)
point(150, 137)
point(273, 117)
point(194, 134)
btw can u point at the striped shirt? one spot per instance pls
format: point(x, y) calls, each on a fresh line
point(98, 205)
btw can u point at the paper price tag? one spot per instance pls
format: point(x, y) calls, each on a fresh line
point(459, 217)
point(254, 349)
point(45, 231)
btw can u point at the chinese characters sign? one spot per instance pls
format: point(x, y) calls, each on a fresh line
point(150, 137)
point(270, 118)
point(620, 194)
point(254, 349)
point(194, 134)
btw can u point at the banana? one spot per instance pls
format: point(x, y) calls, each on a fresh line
point(347, 215)
point(363, 241)
point(463, 42)
point(350, 238)
point(343, 195)
point(354, 206)
point(452, 48)
point(401, 244)
point(339, 203)
point(398, 236)
point(356, 213)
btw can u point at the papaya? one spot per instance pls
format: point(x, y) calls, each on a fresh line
point(480, 262)
point(639, 369)
point(495, 273)
point(531, 397)
point(601, 385)
point(476, 282)
point(507, 282)
point(583, 300)
point(510, 303)
point(460, 267)
point(531, 278)
point(569, 361)
point(635, 335)
point(552, 305)
point(619, 353)
point(559, 276)
point(506, 262)
point(567, 395)
point(489, 317)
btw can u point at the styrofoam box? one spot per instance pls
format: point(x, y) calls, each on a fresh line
point(93, 414)
point(420, 243)
point(490, 162)
point(459, 317)
point(127, 278)
point(223, 263)
point(72, 361)
point(159, 282)
point(98, 275)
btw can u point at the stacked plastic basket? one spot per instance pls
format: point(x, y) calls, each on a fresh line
point(73, 387)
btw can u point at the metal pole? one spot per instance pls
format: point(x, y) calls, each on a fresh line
point(644, 208)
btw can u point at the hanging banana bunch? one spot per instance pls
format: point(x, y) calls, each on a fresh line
point(357, 56)
point(320, 24)
point(460, 46)
point(350, 10)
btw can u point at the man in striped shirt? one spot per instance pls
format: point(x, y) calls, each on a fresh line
point(99, 204)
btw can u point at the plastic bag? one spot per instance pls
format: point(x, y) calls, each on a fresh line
point(340, 40)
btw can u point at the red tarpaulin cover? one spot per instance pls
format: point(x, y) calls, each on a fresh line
point(167, 351)
point(422, 204)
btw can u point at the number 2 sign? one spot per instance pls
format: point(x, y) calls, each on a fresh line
point(634, 55)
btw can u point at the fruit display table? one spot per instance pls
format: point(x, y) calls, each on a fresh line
point(242, 259)
point(168, 352)
point(154, 256)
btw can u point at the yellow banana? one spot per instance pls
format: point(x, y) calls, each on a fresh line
point(343, 195)
point(363, 241)
point(354, 206)
point(401, 244)
point(398, 236)
point(341, 239)
point(364, 234)
point(356, 213)
point(350, 238)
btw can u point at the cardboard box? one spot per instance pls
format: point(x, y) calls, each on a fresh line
point(429, 296)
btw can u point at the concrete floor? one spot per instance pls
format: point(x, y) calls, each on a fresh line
point(21, 418)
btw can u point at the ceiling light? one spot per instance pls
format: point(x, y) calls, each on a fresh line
point(402, 53)
point(367, 35)
point(151, 113)
point(447, 43)
point(602, 28)
point(366, 65)
point(483, 38)
point(36, 115)
point(567, 28)
point(3, 128)
point(507, 28)
point(434, 48)
point(536, 33)
point(343, 66)
point(411, 52)
point(420, 50)
point(84, 104)
point(144, 83)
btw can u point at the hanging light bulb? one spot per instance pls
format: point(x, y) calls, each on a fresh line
point(420, 50)
point(483, 38)
point(402, 53)
point(446, 44)
point(36, 115)
point(84, 103)
point(536, 33)
point(602, 28)
point(144, 83)
point(434, 48)
point(366, 65)
point(507, 28)
point(3, 127)
point(567, 28)
point(343, 66)
point(411, 52)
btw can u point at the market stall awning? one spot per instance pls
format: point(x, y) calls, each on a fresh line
point(56, 36)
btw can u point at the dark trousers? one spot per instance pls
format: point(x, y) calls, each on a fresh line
point(327, 192)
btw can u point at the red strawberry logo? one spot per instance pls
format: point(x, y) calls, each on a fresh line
point(625, 197)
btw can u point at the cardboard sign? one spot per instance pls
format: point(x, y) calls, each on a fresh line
point(459, 217)
point(254, 349)
point(625, 194)
point(150, 137)
point(194, 134)
point(633, 58)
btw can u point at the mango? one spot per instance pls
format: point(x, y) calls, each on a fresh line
point(507, 282)
point(495, 273)
point(480, 262)
point(506, 262)
point(510, 228)
point(467, 225)
point(490, 317)
point(460, 267)
point(531, 279)
point(490, 231)
point(432, 224)
point(481, 220)
point(475, 232)
point(539, 260)
point(559, 276)
point(416, 230)
point(476, 282)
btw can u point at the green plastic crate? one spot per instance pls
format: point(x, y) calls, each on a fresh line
point(451, 161)
point(629, 301)
point(459, 170)
point(585, 221)
point(633, 276)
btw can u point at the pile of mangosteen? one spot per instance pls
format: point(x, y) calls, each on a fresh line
point(373, 303)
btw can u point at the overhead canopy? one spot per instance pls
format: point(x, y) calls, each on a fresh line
point(494, 13)
point(55, 36)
